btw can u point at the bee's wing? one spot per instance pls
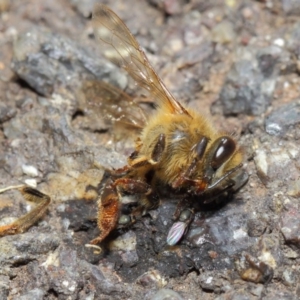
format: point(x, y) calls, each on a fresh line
point(112, 103)
point(126, 51)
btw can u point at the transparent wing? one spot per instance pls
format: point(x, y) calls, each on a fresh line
point(112, 103)
point(125, 51)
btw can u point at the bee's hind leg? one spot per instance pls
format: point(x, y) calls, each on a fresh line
point(149, 200)
point(108, 212)
point(109, 204)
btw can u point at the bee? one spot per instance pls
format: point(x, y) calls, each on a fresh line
point(177, 147)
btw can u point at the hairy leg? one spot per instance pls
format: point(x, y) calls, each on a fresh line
point(109, 204)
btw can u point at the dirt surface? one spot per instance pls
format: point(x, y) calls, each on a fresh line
point(237, 62)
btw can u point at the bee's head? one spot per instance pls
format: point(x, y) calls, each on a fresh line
point(222, 169)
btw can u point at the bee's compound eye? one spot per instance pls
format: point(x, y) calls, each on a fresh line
point(224, 150)
point(124, 220)
point(176, 232)
point(185, 215)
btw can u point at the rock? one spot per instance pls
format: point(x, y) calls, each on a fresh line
point(293, 40)
point(291, 7)
point(85, 7)
point(256, 227)
point(166, 294)
point(250, 83)
point(223, 32)
point(246, 90)
point(25, 247)
point(6, 113)
point(253, 270)
point(35, 294)
point(283, 118)
point(4, 286)
point(48, 62)
point(290, 277)
point(290, 226)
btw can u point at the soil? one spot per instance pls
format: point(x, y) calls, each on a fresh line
point(237, 62)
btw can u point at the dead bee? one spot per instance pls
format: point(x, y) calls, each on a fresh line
point(177, 146)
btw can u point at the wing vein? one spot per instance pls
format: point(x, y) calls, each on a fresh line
point(126, 51)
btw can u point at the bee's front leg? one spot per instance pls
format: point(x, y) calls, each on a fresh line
point(197, 152)
point(184, 213)
point(26, 221)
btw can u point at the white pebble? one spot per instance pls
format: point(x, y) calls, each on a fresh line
point(31, 182)
point(30, 170)
point(279, 42)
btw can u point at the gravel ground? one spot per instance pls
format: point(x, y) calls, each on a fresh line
point(237, 62)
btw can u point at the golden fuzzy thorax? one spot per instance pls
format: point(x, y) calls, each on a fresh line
point(182, 132)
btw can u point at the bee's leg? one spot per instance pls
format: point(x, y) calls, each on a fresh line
point(108, 211)
point(133, 164)
point(151, 198)
point(23, 223)
point(150, 201)
point(184, 178)
point(131, 186)
point(109, 204)
point(121, 171)
point(197, 153)
point(183, 204)
point(230, 182)
point(184, 213)
point(135, 161)
point(184, 175)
